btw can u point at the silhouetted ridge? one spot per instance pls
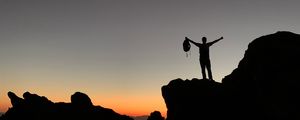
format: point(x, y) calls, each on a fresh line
point(265, 86)
point(34, 107)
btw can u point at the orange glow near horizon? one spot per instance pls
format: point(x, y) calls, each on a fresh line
point(134, 106)
point(4, 106)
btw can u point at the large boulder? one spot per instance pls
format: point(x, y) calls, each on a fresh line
point(266, 81)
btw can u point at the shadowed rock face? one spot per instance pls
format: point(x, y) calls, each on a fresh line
point(34, 107)
point(266, 81)
point(265, 86)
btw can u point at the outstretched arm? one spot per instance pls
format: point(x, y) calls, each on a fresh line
point(197, 44)
point(213, 42)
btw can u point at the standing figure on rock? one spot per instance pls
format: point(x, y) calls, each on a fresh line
point(204, 55)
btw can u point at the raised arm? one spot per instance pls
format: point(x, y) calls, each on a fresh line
point(197, 44)
point(213, 42)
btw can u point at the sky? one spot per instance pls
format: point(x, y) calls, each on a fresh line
point(121, 52)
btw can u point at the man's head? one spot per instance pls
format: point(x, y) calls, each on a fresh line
point(203, 39)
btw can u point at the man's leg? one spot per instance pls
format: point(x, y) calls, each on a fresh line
point(203, 69)
point(209, 70)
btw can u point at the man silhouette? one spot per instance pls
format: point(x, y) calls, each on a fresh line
point(204, 55)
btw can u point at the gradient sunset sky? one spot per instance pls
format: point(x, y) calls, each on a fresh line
point(121, 52)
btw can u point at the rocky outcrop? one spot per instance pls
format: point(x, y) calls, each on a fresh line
point(35, 107)
point(156, 115)
point(265, 86)
point(14, 99)
point(192, 99)
point(81, 100)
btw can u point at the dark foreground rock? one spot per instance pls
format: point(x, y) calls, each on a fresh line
point(35, 107)
point(265, 86)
